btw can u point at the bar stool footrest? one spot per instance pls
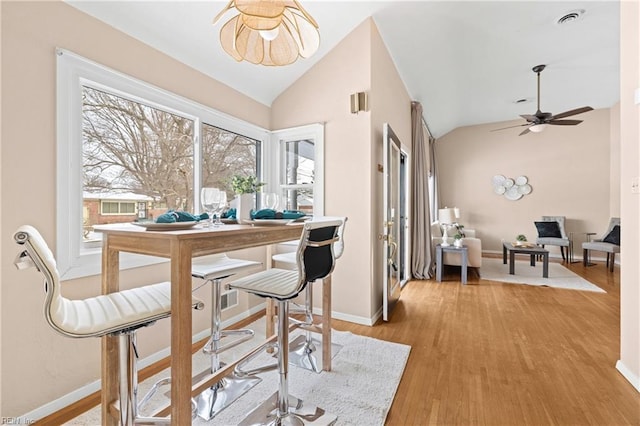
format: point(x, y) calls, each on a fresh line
point(299, 414)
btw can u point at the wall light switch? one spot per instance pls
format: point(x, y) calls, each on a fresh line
point(635, 185)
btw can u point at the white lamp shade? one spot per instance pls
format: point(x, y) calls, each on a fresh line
point(446, 215)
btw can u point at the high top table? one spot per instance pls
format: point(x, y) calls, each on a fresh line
point(179, 247)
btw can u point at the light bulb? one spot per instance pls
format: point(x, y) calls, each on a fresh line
point(270, 35)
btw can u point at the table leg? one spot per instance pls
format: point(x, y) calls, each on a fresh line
point(533, 260)
point(181, 332)
point(109, 344)
point(504, 254)
point(512, 262)
point(439, 264)
point(545, 265)
point(326, 323)
point(464, 266)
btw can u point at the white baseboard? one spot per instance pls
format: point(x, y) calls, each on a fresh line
point(86, 390)
point(350, 318)
point(628, 374)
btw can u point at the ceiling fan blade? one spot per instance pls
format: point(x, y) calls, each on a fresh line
point(510, 127)
point(529, 117)
point(572, 112)
point(525, 131)
point(564, 122)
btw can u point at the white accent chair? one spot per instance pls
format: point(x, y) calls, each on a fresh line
point(601, 245)
point(474, 247)
point(117, 314)
point(562, 241)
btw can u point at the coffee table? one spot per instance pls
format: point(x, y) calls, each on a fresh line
point(531, 251)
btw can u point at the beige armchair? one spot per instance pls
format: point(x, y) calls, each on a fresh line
point(474, 247)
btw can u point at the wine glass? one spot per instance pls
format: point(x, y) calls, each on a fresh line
point(209, 199)
point(220, 206)
point(270, 200)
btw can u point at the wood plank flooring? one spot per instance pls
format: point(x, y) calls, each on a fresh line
point(491, 353)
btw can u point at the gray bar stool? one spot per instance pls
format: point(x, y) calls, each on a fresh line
point(118, 314)
point(315, 260)
point(303, 350)
point(213, 269)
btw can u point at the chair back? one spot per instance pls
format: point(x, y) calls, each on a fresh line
point(612, 222)
point(37, 253)
point(315, 256)
point(338, 246)
point(560, 220)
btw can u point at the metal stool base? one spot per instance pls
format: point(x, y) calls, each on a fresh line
point(307, 356)
point(299, 414)
point(219, 396)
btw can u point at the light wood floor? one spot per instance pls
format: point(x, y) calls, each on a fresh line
point(490, 353)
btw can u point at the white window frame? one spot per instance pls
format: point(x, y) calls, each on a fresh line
point(74, 71)
point(279, 138)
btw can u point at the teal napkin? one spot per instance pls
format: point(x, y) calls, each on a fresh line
point(272, 214)
point(173, 216)
point(229, 214)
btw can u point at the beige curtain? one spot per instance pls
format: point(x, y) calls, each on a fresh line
point(420, 216)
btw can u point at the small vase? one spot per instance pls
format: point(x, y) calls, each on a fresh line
point(245, 203)
point(458, 243)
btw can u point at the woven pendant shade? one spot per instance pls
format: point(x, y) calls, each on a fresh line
point(269, 32)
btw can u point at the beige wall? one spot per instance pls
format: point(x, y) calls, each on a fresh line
point(629, 363)
point(31, 352)
point(322, 95)
point(567, 167)
point(353, 148)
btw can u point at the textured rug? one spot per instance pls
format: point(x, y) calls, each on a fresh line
point(559, 276)
point(359, 389)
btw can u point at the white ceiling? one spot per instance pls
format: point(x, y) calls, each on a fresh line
point(467, 62)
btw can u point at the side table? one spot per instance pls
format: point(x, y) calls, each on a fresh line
point(464, 254)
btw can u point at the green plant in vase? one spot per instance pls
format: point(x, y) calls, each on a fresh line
point(245, 184)
point(521, 237)
point(457, 239)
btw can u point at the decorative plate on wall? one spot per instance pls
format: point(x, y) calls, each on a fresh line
point(512, 189)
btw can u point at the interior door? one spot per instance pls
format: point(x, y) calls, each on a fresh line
point(392, 226)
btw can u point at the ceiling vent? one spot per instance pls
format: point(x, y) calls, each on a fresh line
point(573, 16)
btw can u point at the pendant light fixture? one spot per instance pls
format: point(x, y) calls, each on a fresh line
point(268, 32)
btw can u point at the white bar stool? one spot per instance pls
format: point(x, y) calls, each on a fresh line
point(213, 269)
point(116, 314)
point(315, 260)
point(303, 350)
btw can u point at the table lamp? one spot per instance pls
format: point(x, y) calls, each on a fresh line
point(447, 217)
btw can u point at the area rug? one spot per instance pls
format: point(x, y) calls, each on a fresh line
point(359, 389)
point(559, 276)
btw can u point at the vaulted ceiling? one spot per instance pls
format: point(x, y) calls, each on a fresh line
point(467, 62)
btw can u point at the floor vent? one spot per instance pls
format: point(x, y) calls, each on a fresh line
point(229, 299)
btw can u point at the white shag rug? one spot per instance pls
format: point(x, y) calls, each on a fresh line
point(559, 276)
point(359, 389)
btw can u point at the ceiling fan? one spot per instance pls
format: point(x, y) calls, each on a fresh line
point(538, 121)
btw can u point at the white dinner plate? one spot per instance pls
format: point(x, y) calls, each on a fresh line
point(175, 226)
point(268, 222)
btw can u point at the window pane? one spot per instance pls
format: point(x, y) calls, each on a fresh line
point(135, 153)
point(109, 208)
point(299, 162)
point(225, 154)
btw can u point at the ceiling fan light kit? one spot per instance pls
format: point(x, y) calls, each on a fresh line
point(268, 32)
point(537, 122)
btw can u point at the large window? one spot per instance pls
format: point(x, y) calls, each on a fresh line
point(129, 151)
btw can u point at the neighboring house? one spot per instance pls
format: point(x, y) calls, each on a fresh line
point(103, 208)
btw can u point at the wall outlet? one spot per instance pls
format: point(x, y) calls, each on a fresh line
point(635, 185)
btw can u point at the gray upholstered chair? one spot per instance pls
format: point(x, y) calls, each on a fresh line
point(549, 235)
point(314, 260)
point(608, 243)
point(303, 351)
point(118, 314)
